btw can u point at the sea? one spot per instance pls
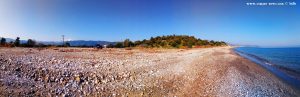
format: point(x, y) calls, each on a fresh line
point(283, 62)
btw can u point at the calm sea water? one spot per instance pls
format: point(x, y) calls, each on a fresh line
point(283, 62)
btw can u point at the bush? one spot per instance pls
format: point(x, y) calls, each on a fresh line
point(17, 42)
point(3, 41)
point(128, 43)
point(31, 43)
point(174, 41)
point(119, 45)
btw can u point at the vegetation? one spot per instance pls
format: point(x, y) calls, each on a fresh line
point(3, 41)
point(119, 45)
point(17, 42)
point(170, 41)
point(128, 43)
point(68, 44)
point(30, 43)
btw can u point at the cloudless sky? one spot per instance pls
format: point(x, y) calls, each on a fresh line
point(231, 21)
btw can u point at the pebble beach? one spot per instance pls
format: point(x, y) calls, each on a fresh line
point(216, 71)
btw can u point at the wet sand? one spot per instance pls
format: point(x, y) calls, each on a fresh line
point(215, 71)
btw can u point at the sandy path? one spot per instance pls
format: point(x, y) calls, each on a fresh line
point(117, 72)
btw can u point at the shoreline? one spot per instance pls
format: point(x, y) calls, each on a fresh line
point(215, 71)
point(289, 79)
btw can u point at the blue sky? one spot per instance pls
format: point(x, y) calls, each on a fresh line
point(115, 20)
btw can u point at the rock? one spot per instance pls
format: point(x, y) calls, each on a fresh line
point(77, 78)
point(18, 69)
point(46, 79)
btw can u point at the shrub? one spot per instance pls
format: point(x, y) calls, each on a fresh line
point(31, 43)
point(3, 41)
point(17, 42)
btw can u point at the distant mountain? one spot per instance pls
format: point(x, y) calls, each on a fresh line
point(242, 45)
point(79, 42)
point(89, 43)
point(72, 43)
point(50, 42)
point(8, 39)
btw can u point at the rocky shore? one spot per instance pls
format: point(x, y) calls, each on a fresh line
point(138, 72)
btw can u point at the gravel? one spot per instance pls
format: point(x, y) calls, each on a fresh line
point(137, 72)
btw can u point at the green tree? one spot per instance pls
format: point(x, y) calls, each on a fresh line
point(223, 43)
point(128, 43)
point(17, 42)
point(173, 41)
point(205, 42)
point(3, 41)
point(68, 44)
point(212, 42)
point(137, 43)
point(31, 43)
point(110, 46)
point(164, 44)
point(190, 44)
point(119, 45)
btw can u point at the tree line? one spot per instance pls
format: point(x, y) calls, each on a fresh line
point(170, 41)
point(17, 43)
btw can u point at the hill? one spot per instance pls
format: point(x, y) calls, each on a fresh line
point(171, 41)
